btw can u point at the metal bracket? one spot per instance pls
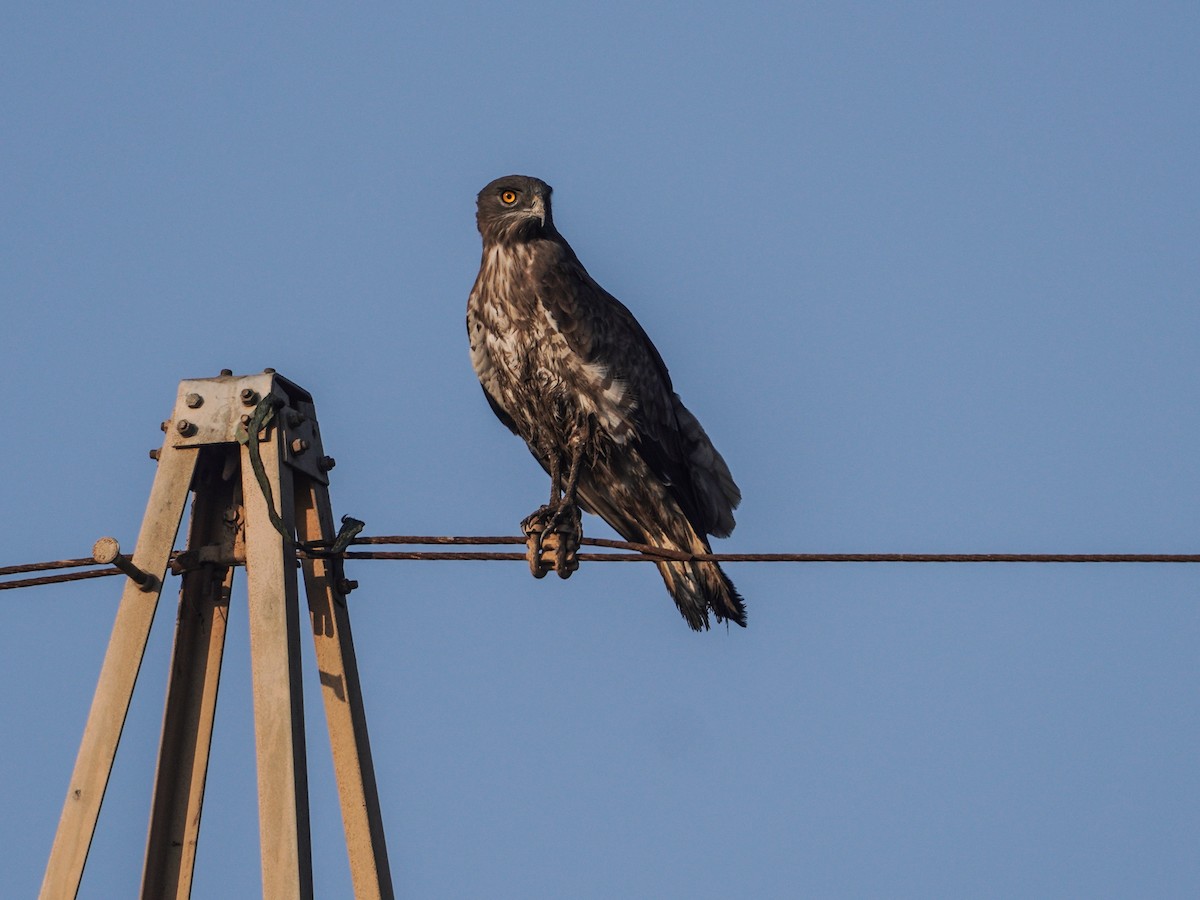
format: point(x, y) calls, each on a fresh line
point(211, 555)
point(210, 410)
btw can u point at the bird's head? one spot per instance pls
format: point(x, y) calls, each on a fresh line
point(514, 208)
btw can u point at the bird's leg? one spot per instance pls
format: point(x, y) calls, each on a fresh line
point(578, 445)
point(577, 454)
point(537, 525)
point(555, 478)
point(553, 462)
point(566, 523)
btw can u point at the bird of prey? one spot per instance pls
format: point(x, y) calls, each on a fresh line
point(569, 370)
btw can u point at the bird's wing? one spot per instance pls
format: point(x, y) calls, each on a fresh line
point(604, 333)
point(504, 417)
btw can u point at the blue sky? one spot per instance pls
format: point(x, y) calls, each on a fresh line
point(926, 273)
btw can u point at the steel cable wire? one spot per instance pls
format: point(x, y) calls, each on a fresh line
point(637, 553)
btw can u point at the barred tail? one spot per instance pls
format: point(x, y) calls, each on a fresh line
point(698, 587)
point(651, 515)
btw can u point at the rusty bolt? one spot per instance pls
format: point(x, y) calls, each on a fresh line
point(346, 585)
point(299, 445)
point(107, 550)
point(184, 427)
point(165, 425)
point(194, 401)
point(227, 372)
point(268, 371)
point(245, 420)
point(154, 454)
point(296, 419)
point(249, 396)
point(325, 463)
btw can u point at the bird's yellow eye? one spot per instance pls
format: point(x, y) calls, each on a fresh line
point(508, 197)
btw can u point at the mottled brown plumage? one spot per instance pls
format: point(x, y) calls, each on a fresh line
point(567, 368)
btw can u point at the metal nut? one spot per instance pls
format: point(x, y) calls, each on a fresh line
point(299, 445)
point(184, 427)
point(193, 401)
point(154, 454)
point(249, 396)
point(325, 463)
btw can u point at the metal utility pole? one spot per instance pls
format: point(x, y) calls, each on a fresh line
point(249, 451)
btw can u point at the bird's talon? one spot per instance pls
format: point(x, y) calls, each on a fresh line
point(566, 530)
point(537, 520)
point(534, 526)
point(552, 539)
point(565, 559)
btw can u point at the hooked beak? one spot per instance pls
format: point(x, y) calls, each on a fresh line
point(538, 208)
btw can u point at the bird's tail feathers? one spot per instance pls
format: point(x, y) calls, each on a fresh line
point(700, 587)
point(716, 494)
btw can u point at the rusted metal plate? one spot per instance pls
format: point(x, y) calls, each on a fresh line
point(212, 410)
point(209, 410)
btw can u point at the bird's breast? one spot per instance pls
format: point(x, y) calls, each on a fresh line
point(525, 361)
